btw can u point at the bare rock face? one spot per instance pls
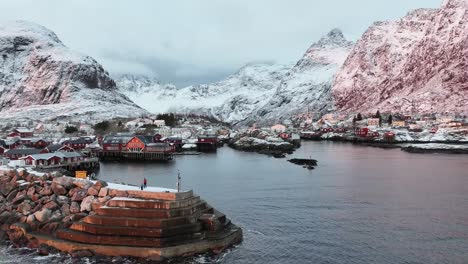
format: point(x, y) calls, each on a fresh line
point(41, 78)
point(418, 63)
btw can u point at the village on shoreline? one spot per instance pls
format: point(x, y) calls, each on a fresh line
point(71, 146)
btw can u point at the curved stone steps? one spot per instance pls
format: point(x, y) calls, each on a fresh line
point(137, 232)
point(152, 213)
point(152, 204)
point(137, 222)
point(131, 241)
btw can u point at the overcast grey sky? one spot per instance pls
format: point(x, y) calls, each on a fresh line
point(200, 41)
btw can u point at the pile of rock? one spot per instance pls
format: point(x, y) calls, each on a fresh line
point(44, 204)
point(262, 143)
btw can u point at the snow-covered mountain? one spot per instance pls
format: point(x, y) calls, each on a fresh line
point(307, 86)
point(257, 93)
point(40, 78)
point(231, 100)
point(418, 63)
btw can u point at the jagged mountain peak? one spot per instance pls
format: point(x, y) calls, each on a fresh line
point(26, 28)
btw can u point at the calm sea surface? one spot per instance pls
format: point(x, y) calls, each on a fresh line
point(360, 205)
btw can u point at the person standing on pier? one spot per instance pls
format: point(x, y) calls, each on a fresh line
point(144, 182)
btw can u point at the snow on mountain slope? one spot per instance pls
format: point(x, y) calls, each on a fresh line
point(40, 78)
point(416, 64)
point(307, 86)
point(257, 93)
point(231, 100)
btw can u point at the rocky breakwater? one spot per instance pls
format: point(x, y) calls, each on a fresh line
point(262, 142)
point(85, 218)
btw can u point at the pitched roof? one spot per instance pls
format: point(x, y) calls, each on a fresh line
point(23, 151)
point(54, 147)
point(23, 130)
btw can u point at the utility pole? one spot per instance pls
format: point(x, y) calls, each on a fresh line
point(178, 181)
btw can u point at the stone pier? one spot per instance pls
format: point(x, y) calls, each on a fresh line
point(156, 225)
point(85, 218)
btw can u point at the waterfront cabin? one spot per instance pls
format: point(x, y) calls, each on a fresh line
point(207, 143)
point(50, 159)
point(115, 143)
point(389, 137)
point(361, 131)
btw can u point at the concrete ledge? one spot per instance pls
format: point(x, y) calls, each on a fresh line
point(229, 238)
point(136, 232)
point(137, 222)
point(170, 196)
point(152, 204)
point(151, 213)
point(81, 237)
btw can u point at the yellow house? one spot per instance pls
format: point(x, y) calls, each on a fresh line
point(396, 123)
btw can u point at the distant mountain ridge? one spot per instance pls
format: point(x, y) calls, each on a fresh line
point(231, 100)
point(262, 93)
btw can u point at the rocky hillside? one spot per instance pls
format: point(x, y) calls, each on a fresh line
point(40, 78)
point(418, 63)
point(231, 100)
point(307, 86)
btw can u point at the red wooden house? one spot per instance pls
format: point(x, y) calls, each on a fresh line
point(361, 131)
point(14, 154)
point(115, 143)
point(21, 132)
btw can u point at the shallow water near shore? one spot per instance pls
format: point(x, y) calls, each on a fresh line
point(360, 205)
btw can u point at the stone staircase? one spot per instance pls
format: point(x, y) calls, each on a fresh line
point(145, 222)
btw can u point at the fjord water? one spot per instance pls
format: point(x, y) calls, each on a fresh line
point(360, 205)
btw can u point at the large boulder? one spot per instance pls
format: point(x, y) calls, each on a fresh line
point(103, 192)
point(86, 204)
point(100, 184)
point(24, 208)
point(31, 219)
point(12, 195)
point(61, 200)
point(58, 189)
point(51, 205)
point(47, 190)
point(43, 215)
point(64, 181)
point(65, 209)
point(83, 184)
point(93, 191)
point(74, 208)
point(6, 188)
point(79, 195)
point(31, 191)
